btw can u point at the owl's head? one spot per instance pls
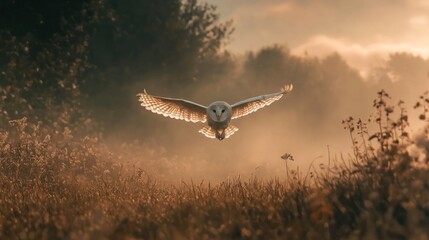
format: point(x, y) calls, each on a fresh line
point(219, 111)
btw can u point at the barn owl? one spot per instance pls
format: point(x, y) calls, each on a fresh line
point(217, 115)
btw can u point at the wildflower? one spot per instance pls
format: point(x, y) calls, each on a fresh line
point(287, 156)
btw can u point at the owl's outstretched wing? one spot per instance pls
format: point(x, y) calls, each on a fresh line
point(174, 108)
point(251, 105)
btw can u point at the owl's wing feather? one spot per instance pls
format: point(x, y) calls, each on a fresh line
point(231, 129)
point(174, 108)
point(208, 131)
point(251, 105)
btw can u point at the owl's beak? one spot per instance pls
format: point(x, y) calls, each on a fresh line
point(218, 115)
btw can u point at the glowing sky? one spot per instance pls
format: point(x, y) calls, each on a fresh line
point(362, 31)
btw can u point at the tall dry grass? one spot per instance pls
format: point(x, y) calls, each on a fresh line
point(56, 185)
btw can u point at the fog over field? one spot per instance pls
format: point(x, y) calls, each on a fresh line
point(336, 54)
point(305, 123)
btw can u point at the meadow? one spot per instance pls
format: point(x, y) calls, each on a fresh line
point(55, 185)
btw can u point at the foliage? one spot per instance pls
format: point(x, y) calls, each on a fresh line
point(391, 180)
point(44, 61)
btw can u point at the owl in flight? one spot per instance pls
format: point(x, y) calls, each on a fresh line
point(217, 115)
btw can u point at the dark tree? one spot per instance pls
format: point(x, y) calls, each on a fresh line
point(43, 59)
point(168, 39)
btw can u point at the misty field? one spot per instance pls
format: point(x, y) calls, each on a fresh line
point(80, 158)
point(57, 186)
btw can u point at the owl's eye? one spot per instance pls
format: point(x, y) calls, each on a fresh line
point(223, 110)
point(214, 111)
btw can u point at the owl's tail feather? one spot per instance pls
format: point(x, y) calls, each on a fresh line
point(211, 133)
point(208, 132)
point(231, 129)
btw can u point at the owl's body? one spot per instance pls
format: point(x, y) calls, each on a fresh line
point(218, 115)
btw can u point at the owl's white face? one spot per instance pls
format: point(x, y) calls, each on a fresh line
point(219, 112)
